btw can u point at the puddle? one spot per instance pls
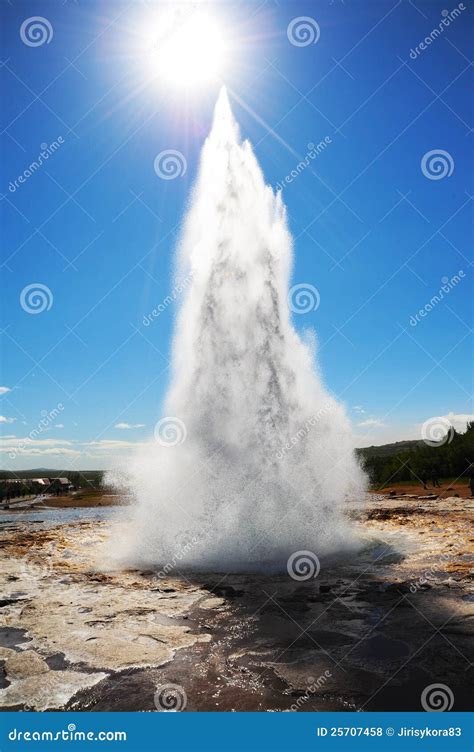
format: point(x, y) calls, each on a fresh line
point(11, 637)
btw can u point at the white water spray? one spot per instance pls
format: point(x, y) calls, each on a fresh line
point(257, 460)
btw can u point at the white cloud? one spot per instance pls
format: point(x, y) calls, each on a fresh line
point(32, 441)
point(460, 417)
point(4, 389)
point(19, 452)
point(35, 445)
point(127, 426)
point(371, 423)
point(389, 433)
point(358, 409)
point(114, 444)
point(12, 445)
point(59, 425)
point(457, 420)
point(4, 419)
point(51, 451)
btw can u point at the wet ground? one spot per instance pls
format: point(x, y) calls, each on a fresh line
point(370, 632)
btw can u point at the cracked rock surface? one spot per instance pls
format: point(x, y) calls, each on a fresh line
point(368, 633)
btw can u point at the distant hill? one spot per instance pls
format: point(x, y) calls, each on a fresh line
point(403, 460)
point(387, 450)
point(452, 456)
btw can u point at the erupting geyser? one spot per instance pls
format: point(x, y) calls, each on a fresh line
point(257, 460)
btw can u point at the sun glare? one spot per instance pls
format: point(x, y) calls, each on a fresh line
point(192, 53)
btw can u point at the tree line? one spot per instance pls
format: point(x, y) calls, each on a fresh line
point(451, 457)
point(12, 488)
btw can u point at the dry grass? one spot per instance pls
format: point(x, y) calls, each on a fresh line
point(93, 497)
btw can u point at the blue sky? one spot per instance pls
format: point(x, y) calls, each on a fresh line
point(97, 226)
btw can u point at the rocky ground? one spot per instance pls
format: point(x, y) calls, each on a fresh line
point(370, 632)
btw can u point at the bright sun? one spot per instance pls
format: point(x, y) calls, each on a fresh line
point(192, 53)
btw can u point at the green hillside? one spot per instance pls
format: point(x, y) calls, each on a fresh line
point(409, 460)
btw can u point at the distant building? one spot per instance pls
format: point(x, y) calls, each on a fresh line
point(56, 486)
point(59, 485)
